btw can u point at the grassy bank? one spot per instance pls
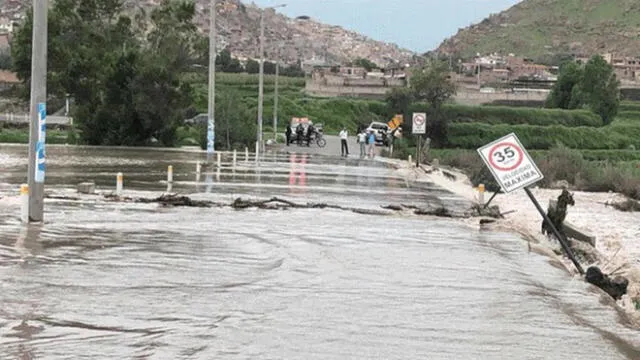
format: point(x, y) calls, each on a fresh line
point(617, 171)
point(614, 136)
point(21, 136)
point(504, 115)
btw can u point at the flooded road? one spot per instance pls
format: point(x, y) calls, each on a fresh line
point(105, 280)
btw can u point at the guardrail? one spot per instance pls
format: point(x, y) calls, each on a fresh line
point(12, 118)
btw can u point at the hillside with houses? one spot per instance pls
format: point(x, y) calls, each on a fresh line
point(238, 24)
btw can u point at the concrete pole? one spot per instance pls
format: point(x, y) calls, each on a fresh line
point(38, 111)
point(261, 82)
point(211, 129)
point(275, 100)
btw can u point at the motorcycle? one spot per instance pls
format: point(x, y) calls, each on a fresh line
point(316, 137)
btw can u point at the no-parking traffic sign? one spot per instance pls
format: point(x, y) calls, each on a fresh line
point(510, 164)
point(419, 123)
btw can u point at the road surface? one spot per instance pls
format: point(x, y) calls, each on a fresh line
point(109, 280)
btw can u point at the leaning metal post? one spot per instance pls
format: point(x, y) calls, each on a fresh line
point(562, 239)
point(491, 199)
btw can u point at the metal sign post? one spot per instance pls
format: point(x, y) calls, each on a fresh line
point(211, 118)
point(419, 127)
point(514, 169)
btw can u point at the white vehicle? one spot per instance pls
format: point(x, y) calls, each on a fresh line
point(381, 130)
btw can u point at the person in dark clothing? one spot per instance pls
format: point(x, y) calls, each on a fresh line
point(288, 133)
point(299, 133)
point(310, 131)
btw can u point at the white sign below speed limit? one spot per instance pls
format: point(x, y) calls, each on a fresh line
point(510, 163)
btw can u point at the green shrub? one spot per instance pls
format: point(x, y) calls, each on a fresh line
point(559, 163)
point(21, 136)
point(472, 136)
point(613, 156)
point(625, 106)
point(631, 117)
point(495, 115)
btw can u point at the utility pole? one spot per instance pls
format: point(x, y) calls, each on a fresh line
point(261, 83)
point(275, 99)
point(211, 128)
point(38, 111)
point(261, 78)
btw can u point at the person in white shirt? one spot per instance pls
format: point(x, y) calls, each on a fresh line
point(362, 140)
point(344, 135)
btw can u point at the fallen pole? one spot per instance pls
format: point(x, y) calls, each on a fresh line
point(491, 199)
point(560, 237)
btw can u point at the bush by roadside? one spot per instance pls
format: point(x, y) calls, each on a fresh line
point(559, 163)
point(615, 136)
point(21, 136)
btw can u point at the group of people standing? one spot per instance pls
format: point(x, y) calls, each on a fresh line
point(366, 140)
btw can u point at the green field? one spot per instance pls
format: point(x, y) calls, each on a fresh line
point(21, 136)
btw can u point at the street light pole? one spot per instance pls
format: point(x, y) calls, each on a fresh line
point(261, 77)
point(211, 128)
point(275, 99)
point(38, 111)
point(260, 84)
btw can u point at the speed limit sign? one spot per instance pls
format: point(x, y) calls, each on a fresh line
point(510, 164)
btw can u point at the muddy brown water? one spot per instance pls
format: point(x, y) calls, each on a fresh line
point(104, 280)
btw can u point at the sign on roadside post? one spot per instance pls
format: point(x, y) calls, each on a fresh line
point(40, 144)
point(419, 123)
point(510, 164)
point(513, 169)
point(395, 122)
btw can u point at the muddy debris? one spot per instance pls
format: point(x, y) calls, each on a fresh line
point(274, 203)
point(393, 207)
point(61, 197)
point(177, 200)
point(615, 287)
point(491, 211)
point(439, 211)
point(628, 205)
point(487, 221)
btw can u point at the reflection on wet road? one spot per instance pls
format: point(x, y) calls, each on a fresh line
point(104, 280)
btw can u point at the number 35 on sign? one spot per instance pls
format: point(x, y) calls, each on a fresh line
point(510, 163)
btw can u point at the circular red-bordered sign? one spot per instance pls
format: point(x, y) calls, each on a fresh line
point(419, 119)
point(508, 164)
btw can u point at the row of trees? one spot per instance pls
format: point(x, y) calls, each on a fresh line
point(431, 84)
point(591, 86)
point(125, 73)
point(226, 63)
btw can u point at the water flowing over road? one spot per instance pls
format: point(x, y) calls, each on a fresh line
point(109, 280)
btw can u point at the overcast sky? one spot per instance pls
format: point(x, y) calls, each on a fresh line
point(418, 25)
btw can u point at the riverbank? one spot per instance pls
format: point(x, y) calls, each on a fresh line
point(616, 250)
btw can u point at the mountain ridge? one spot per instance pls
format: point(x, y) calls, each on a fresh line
point(545, 27)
